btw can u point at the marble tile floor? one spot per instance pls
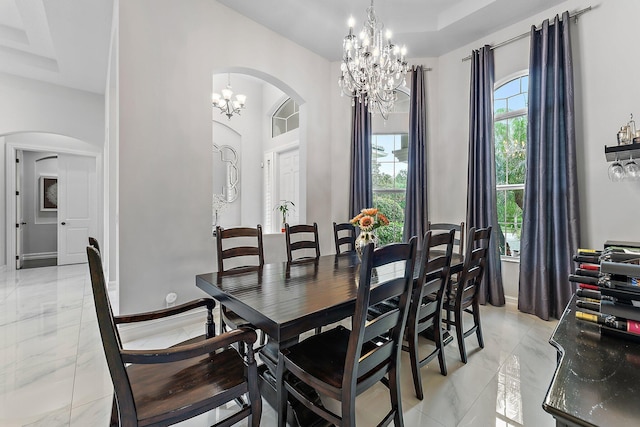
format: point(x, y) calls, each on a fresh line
point(53, 371)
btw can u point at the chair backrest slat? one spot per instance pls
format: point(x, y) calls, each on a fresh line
point(459, 238)
point(233, 243)
point(344, 234)
point(306, 237)
point(435, 262)
point(375, 358)
point(364, 358)
point(474, 264)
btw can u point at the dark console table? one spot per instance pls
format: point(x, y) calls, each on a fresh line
point(597, 380)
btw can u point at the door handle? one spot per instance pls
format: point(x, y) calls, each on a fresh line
point(63, 223)
point(23, 223)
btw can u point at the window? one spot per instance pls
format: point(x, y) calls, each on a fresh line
point(510, 130)
point(286, 118)
point(389, 179)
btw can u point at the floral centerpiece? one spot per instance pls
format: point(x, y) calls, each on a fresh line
point(367, 221)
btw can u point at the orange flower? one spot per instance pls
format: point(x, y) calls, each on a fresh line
point(366, 222)
point(356, 219)
point(383, 219)
point(370, 211)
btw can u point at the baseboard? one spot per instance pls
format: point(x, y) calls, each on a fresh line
point(511, 302)
point(39, 255)
point(135, 331)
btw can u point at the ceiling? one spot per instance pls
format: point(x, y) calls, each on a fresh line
point(428, 28)
point(64, 42)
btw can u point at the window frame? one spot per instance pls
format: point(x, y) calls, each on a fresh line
point(523, 112)
point(287, 126)
point(390, 191)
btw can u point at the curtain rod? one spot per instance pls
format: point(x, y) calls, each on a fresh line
point(423, 69)
point(528, 33)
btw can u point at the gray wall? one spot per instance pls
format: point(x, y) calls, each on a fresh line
point(40, 234)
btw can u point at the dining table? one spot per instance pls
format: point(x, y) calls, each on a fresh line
point(285, 300)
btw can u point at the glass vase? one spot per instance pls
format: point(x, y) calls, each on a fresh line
point(364, 239)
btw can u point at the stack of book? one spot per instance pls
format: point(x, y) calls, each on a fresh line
point(608, 289)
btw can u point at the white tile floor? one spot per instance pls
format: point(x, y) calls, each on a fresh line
point(53, 371)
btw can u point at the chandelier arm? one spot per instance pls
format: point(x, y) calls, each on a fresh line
point(374, 69)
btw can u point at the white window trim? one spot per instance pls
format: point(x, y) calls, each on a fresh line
point(505, 116)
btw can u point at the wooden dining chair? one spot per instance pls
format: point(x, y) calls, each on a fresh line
point(463, 297)
point(344, 234)
point(342, 363)
point(165, 386)
point(239, 250)
point(94, 242)
point(458, 242)
point(425, 310)
point(302, 237)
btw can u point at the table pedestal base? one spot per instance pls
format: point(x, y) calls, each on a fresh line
point(297, 414)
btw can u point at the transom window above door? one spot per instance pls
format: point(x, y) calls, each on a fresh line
point(286, 118)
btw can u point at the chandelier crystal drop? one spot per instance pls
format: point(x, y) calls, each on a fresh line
point(372, 67)
point(225, 103)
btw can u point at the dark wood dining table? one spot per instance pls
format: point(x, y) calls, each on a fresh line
point(286, 300)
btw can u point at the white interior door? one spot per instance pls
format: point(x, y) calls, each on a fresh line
point(77, 207)
point(20, 223)
point(289, 182)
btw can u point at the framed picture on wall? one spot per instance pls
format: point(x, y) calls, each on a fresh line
point(48, 193)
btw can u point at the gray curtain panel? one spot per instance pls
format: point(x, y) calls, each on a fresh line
point(416, 210)
point(551, 223)
point(481, 178)
point(361, 189)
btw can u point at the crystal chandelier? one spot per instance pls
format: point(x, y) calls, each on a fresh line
point(224, 102)
point(372, 67)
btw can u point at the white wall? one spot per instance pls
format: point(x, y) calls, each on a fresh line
point(165, 137)
point(30, 106)
point(165, 81)
point(109, 244)
point(605, 93)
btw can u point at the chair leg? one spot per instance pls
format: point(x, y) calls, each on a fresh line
point(476, 320)
point(460, 335)
point(412, 340)
point(440, 346)
point(281, 393)
point(254, 396)
point(115, 421)
point(396, 400)
point(349, 411)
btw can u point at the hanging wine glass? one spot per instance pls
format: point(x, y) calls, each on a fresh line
point(632, 170)
point(616, 171)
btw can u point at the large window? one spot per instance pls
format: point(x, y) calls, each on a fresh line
point(510, 127)
point(389, 178)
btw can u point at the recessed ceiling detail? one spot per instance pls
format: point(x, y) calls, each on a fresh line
point(429, 27)
point(64, 42)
